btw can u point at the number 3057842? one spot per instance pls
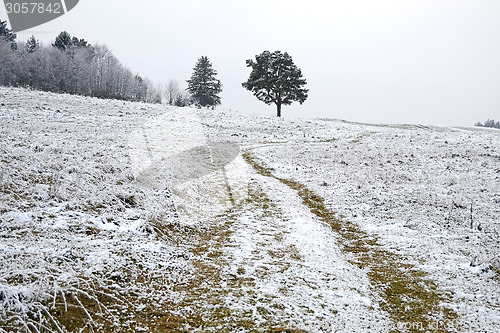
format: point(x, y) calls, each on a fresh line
point(33, 8)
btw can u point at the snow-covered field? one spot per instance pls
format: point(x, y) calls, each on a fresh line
point(124, 216)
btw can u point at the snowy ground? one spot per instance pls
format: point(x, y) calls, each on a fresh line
point(134, 217)
point(413, 187)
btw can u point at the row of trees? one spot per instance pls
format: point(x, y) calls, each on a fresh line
point(489, 123)
point(70, 65)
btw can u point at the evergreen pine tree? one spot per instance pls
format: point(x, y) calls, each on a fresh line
point(276, 79)
point(80, 43)
point(31, 45)
point(7, 34)
point(203, 86)
point(63, 41)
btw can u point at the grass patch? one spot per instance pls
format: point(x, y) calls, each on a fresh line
point(361, 137)
point(202, 299)
point(496, 269)
point(405, 292)
point(328, 140)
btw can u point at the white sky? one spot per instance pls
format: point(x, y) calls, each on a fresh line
point(382, 61)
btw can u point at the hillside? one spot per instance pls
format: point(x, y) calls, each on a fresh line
point(121, 216)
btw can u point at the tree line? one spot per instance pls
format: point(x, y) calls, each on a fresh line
point(489, 123)
point(72, 65)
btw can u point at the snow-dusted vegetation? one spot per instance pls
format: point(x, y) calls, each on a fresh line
point(121, 216)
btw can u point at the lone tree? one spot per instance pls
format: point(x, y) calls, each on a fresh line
point(276, 79)
point(203, 86)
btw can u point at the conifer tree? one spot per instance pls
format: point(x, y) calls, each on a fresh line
point(63, 41)
point(79, 43)
point(276, 79)
point(203, 86)
point(31, 45)
point(7, 34)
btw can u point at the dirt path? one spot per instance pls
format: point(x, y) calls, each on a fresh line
point(300, 278)
point(269, 264)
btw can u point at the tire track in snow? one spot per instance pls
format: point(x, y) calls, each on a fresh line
point(413, 302)
point(270, 263)
point(299, 276)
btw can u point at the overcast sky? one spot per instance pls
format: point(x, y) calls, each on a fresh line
point(382, 61)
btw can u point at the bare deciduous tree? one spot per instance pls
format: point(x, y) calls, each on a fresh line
point(78, 68)
point(171, 91)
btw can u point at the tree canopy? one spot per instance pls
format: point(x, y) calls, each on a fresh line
point(276, 79)
point(7, 34)
point(64, 41)
point(203, 86)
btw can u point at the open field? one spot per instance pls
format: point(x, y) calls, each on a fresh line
point(129, 217)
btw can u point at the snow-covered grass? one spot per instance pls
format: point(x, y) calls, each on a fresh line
point(403, 292)
point(413, 187)
point(126, 216)
point(76, 230)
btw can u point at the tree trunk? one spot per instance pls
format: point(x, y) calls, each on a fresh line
point(278, 105)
